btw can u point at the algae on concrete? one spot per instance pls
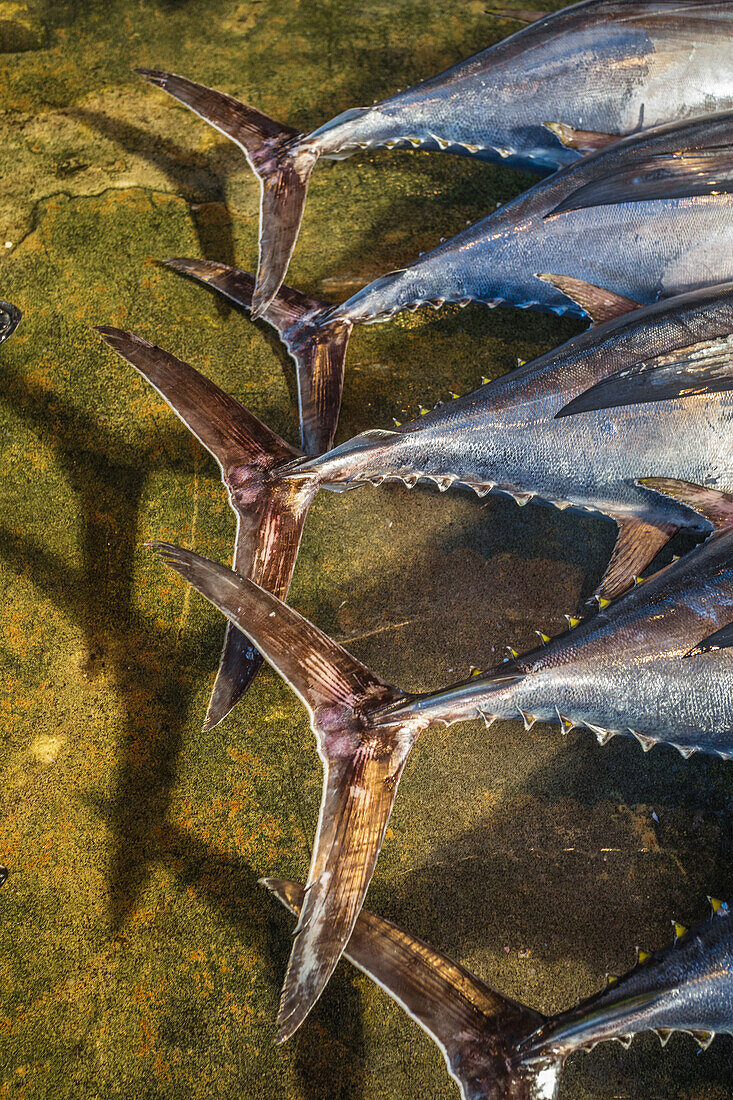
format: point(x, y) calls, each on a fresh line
point(138, 957)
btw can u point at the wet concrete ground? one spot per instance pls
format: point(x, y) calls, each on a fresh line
point(138, 957)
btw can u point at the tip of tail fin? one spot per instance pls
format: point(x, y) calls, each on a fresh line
point(278, 155)
point(317, 347)
point(362, 767)
point(270, 512)
point(10, 317)
point(477, 1029)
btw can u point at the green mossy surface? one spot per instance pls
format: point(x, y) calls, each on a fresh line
point(138, 956)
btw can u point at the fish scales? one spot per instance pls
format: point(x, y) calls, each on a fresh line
point(569, 83)
point(506, 433)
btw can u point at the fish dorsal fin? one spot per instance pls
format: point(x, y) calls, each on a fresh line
point(703, 368)
point(584, 141)
point(665, 176)
point(715, 506)
point(598, 303)
point(638, 543)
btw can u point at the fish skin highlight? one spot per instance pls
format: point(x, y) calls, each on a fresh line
point(512, 435)
point(565, 85)
point(600, 259)
point(10, 318)
point(499, 1049)
point(621, 672)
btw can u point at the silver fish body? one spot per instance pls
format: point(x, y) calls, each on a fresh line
point(10, 317)
point(688, 986)
point(642, 248)
point(568, 84)
point(600, 67)
point(648, 218)
point(507, 436)
point(624, 671)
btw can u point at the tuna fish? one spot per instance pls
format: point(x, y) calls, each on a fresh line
point(9, 320)
point(654, 665)
point(566, 85)
point(519, 434)
point(498, 1049)
point(647, 218)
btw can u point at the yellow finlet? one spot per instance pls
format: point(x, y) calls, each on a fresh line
point(642, 956)
point(603, 602)
point(544, 638)
point(572, 621)
point(679, 930)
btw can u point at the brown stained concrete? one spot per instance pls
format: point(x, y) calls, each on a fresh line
point(138, 957)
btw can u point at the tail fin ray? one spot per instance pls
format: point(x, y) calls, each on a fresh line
point(362, 767)
point(476, 1028)
point(318, 349)
point(270, 513)
point(279, 158)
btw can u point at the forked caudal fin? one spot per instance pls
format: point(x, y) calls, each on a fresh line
point(362, 766)
point(477, 1029)
point(278, 155)
point(318, 349)
point(270, 512)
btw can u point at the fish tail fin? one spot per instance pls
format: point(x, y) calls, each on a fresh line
point(362, 767)
point(270, 510)
point(317, 345)
point(278, 155)
point(478, 1030)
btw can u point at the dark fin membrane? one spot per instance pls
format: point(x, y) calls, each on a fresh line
point(476, 1028)
point(318, 350)
point(276, 154)
point(600, 305)
point(721, 639)
point(270, 512)
point(702, 368)
point(584, 141)
point(715, 506)
point(667, 176)
point(638, 543)
point(362, 767)
point(10, 317)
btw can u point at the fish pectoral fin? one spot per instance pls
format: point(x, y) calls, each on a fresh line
point(476, 1028)
point(585, 141)
point(702, 368)
point(600, 304)
point(638, 543)
point(715, 506)
point(720, 639)
point(665, 176)
point(358, 795)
